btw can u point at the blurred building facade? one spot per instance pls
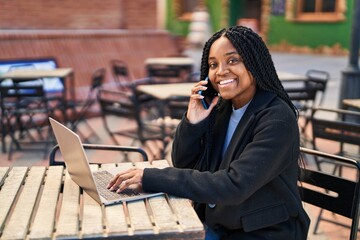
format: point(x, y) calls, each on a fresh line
point(84, 34)
point(304, 26)
point(87, 34)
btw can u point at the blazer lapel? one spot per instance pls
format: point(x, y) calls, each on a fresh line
point(240, 138)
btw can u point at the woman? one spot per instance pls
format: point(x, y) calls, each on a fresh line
point(238, 159)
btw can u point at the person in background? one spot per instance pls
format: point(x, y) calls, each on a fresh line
point(237, 160)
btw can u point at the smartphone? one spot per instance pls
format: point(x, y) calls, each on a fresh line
point(208, 94)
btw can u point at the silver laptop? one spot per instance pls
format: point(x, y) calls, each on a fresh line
point(94, 183)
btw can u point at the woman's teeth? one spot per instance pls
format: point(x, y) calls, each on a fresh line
point(226, 81)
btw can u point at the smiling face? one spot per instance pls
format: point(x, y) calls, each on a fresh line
point(228, 73)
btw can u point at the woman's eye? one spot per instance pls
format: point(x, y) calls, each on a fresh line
point(212, 65)
point(233, 60)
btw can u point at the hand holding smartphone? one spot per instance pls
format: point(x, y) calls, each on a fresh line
point(208, 94)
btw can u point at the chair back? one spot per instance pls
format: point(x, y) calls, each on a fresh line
point(318, 79)
point(337, 129)
point(97, 78)
point(329, 192)
point(117, 103)
point(167, 74)
point(177, 106)
point(121, 73)
point(54, 160)
point(308, 90)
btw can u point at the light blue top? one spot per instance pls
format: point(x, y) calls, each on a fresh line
point(235, 118)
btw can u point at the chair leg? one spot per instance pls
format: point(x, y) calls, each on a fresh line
point(319, 218)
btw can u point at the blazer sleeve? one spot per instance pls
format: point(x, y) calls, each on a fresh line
point(188, 146)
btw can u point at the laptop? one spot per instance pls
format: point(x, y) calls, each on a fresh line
point(92, 182)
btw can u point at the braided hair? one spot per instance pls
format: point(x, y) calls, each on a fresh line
point(256, 57)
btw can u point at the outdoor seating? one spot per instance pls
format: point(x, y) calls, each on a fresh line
point(130, 153)
point(306, 94)
point(170, 69)
point(333, 126)
point(177, 106)
point(142, 126)
point(121, 74)
point(24, 113)
point(50, 85)
point(79, 110)
point(332, 193)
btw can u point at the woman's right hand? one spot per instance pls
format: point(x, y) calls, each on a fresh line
point(196, 112)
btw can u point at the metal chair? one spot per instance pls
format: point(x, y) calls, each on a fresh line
point(307, 93)
point(126, 105)
point(24, 111)
point(121, 74)
point(335, 128)
point(80, 109)
point(332, 193)
point(167, 73)
point(54, 159)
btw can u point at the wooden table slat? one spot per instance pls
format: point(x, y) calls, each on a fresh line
point(17, 227)
point(43, 224)
point(92, 221)
point(140, 224)
point(143, 164)
point(160, 163)
point(3, 172)
point(9, 191)
point(115, 220)
point(186, 215)
point(164, 218)
point(68, 224)
point(115, 217)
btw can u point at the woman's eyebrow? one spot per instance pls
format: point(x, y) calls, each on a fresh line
point(230, 53)
point(226, 54)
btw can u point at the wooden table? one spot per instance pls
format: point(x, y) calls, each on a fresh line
point(20, 75)
point(170, 61)
point(169, 69)
point(43, 202)
point(165, 91)
point(352, 103)
point(30, 74)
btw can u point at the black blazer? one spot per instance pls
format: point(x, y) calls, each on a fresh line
point(253, 187)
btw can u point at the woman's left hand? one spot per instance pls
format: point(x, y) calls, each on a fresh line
point(122, 180)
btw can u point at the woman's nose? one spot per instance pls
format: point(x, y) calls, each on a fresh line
point(222, 70)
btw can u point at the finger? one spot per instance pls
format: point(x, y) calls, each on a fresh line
point(116, 180)
point(213, 103)
point(125, 184)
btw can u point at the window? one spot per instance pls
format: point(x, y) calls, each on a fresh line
point(185, 8)
point(320, 10)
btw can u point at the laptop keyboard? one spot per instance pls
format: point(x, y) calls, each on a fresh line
point(102, 179)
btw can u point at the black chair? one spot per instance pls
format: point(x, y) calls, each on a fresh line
point(125, 105)
point(307, 93)
point(24, 113)
point(318, 79)
point(80, 109)
point(177, 106)
point(121, 74)
point(331, 125)
point(55, 159)
point(167, 74)
point(332, 193)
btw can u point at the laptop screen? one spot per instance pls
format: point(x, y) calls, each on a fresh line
point(50, 84)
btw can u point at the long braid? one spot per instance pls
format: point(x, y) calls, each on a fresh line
point(256, 57)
